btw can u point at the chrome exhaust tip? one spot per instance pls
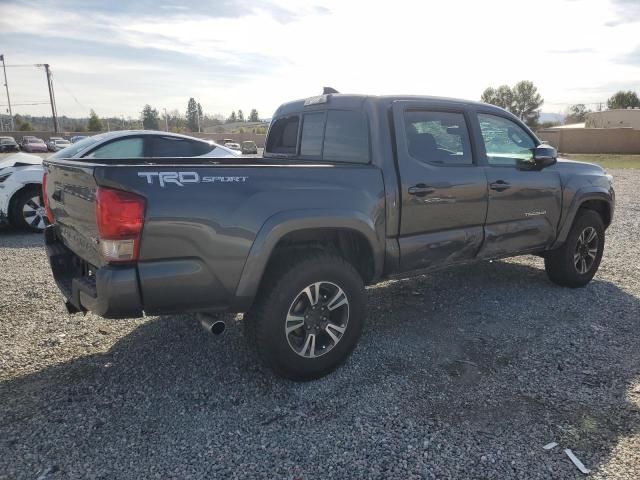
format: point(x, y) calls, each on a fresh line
point(212, 324)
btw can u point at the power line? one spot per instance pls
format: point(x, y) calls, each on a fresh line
point(72, 95)
point(25, 104)
point(25, 65)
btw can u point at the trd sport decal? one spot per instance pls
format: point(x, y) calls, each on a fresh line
point(182, 178)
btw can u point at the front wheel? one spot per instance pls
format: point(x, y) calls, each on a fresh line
point(309, 315)
point(28, 210)
point(576, 262)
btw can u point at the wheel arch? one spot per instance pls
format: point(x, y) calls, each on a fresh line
point(16, 193)
point(598, 200)
point(350, 234)
point(601, 207)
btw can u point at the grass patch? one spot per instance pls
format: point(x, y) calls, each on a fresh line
point(606, 160)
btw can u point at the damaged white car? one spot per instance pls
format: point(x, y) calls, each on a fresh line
point(21, 192)
point(21, 174)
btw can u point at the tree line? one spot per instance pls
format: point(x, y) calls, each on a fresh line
point(194, 119)
point(524, 101)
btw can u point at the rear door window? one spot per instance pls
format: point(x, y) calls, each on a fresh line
point(176, 147)
point(438, 137)
point(125, 148)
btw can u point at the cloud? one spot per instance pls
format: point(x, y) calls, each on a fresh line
point(144, 9)
point(631, 58)
point(626, 11)
point(571, 51)
point(116, 56)
point(321, 10)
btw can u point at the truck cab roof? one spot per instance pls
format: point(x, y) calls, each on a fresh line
point(357, 101)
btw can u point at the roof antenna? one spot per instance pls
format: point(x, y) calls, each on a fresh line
point(327, 90)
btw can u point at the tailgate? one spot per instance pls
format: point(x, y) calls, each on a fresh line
point(71, 190)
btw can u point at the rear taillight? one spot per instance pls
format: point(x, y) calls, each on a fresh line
point(47, 209)
point(120, 217)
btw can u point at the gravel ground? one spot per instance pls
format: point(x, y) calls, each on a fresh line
point(462, 373)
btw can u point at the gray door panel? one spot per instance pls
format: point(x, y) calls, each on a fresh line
point(443, 206)
point(439, 248)
point(524, 205)
point(525, 215)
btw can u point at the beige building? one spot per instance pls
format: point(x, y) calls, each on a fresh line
point(629, 118)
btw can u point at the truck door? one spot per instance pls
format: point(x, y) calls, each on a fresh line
point(524, 205)
point(443, 189)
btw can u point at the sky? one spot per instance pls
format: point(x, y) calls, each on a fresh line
point(116, 56)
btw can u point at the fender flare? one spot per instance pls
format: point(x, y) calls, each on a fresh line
point(582, 195)
point(283, 223)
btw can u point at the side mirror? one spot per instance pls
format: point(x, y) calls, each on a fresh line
point(543, 156)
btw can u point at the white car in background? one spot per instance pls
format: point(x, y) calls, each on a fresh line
point(21, 202)
point(21, 191)
point(55, 144)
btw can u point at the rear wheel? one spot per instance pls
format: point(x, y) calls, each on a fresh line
point(309, 316)
point(576, 262)
point(28, 210)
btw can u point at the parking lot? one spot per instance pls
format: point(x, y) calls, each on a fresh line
point(461, 373)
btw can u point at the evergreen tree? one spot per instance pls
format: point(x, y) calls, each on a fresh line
point(94, 125)
point(232, 118)
point(253, 116)
point(192, 115)
point(150, 118)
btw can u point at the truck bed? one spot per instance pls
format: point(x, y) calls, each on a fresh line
point(206, 223)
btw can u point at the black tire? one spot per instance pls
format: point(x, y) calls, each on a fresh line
point(283, 286)
point(28, 210)
point(563, 265)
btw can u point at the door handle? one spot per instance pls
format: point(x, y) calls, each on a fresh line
point(420, 190)
point(499, 186)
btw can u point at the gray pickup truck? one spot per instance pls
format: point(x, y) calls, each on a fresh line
point(351, 189)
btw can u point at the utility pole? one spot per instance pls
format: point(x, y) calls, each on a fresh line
point(166, 120)
point(52, 98)
point(7, 87)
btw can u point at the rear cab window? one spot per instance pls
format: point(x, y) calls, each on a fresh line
point(337, 136)
point(283, 136)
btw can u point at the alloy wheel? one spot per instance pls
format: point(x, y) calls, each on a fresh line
point(586, 250)
point(34, 213)
point(317, 319)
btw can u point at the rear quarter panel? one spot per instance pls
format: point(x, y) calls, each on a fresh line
point(204, 231)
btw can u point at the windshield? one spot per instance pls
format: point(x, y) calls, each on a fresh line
point(77, 147)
